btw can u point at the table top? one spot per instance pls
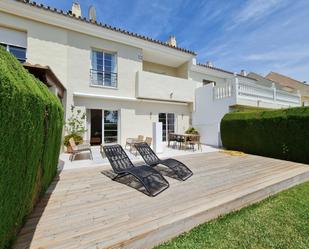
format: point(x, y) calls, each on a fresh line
point(184, 135)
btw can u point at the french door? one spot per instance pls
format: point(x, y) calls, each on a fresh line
point(103, 126)
point(168, 124)
point(110, 133)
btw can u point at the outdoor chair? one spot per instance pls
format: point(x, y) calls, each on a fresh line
point(151, 179)
point(148, 140)
point(192, 141)
point(180, 140)
point(171, 138)
point(181, 170)
point(130, 141)
point(77, 149)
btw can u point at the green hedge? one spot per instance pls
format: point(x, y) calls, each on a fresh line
point(282, 134)
point(31, 121)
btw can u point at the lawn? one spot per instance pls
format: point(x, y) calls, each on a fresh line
point(280, 222)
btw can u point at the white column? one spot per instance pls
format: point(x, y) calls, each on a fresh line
point(157, 137)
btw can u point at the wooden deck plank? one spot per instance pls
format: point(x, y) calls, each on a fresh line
point(83, 208)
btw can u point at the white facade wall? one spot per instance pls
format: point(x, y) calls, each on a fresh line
point(68, 54)
point(208, 114)
point(164, 87)
point(136, 117)
point(65, 45)
point(199, 77)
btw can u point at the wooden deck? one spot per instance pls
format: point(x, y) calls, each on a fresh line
point(83, 208)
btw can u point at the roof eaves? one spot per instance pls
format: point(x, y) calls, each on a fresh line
point(223, 70)
point(103, 25)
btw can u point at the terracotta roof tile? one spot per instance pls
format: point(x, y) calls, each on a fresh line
point(285, 80)
point(103, 25)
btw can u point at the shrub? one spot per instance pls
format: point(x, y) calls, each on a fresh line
point(77, 138)
point(282, 134)
point(31, 122)
point(76, 122)
point(242, 108)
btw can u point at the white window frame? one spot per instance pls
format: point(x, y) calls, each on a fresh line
point(166, 123)
point(115, 72)
point(88, 118)
point(103, 124)
point(8, 46)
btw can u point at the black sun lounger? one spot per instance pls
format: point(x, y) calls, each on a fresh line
point(151, 179)
point(181, 170)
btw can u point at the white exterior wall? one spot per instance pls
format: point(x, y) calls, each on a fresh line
point(199, 77)
point(164, 87)
point(208, 114)
point(68, 54)
point(136, 117)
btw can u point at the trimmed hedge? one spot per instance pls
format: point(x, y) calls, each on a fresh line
point(31, 122)
point(282, 134)
point(242, 108)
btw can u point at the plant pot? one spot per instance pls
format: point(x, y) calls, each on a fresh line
point(69, 149)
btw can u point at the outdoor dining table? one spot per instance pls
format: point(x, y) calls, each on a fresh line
point(184, 139)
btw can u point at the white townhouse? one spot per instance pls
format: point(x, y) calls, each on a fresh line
point(123, 81)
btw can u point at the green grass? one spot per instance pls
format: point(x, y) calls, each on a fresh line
point(279, 222)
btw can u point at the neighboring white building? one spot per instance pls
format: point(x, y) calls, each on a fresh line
point(122, 81)
point(227, 91)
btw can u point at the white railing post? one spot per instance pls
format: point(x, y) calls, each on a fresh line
point(275, 92)
point(236, 85)
point(299, 97)
point(214, 91)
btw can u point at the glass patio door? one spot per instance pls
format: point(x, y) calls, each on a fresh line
point(110, 126)
point(103, 126)
point(96, 127)
point(168, 124)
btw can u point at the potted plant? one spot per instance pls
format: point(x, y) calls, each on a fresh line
point(75, 128)
point(192, 130)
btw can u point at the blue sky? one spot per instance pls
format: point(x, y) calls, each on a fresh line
point(255, 35)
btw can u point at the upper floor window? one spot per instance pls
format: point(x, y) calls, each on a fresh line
point(103, 70)
point(206, 82)
point(18, 52)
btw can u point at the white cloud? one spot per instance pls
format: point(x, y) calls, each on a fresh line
point(290, 54)
point(254, 10)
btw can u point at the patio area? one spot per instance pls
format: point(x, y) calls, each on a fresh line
point(83, 208)
point(83, 160)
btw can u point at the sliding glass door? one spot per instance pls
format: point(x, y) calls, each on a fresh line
point(168, 124)
point(103, 127)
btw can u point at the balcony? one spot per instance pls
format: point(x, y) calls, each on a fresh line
point(103, 78)
point(162, 87)
point(250, 94)
point(213, 102)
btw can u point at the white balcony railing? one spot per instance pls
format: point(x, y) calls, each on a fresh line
point(222, 92)
point(242, 89)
